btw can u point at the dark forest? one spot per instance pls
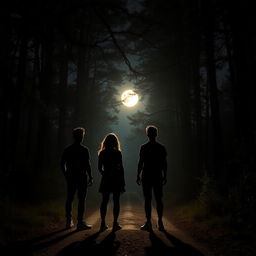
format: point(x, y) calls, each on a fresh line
point(192, 62)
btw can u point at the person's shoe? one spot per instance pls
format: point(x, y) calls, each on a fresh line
point(103, 226)
point(116, 226)
point(69, 223)
point(83, 226)
point(161, 226)
point(147, 226)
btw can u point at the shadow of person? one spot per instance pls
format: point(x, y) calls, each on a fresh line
point(108, 246)
point(45, 236)
point(183, 248)
point(52, 241)
point(81, 247)
point(158, 247)
point(27, 247)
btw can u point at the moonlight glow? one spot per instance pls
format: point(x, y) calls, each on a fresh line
point(129, 98)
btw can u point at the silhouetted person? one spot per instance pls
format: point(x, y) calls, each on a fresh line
point(75, 164)
point(111, 168)
point(153, 166)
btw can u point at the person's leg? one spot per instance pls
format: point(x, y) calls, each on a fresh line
point(116, 210)
point(81, 194)
point(71, 190)
point(147, 192)
point(103, 208)
point(116, 206)
point(158, 192)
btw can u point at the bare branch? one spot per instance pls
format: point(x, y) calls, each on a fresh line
point(125, 58)
point(140, 35)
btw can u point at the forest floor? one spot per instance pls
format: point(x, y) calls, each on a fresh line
point(215, 233)
point(182, 237)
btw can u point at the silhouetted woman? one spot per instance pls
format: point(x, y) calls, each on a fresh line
point(111, 168)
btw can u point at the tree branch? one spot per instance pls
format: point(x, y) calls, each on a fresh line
point(114, 40)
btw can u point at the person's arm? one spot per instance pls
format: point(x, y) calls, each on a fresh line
point(121, 162)
point(122, 170)
point(139, 170)
point(63, 163)
point(165, 167)
point(100, 164)
point(89, 170)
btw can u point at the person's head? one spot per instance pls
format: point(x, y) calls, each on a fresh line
point(151, 132)
point(110, 141)
point(78, 134)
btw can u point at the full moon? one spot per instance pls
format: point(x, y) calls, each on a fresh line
point(129, 98)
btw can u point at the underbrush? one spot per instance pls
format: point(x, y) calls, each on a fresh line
point(194, 212)
point(225, 221)
point(24, 221)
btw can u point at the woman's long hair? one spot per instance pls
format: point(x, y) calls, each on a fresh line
point(110, 141)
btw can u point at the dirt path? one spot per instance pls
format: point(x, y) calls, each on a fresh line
point(128, 241)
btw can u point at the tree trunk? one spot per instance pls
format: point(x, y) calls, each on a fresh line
point(17, 95)
point(195, 70)
point(63, 98)
point(81, 111)
point(5, 81)
point(244, 86)
point(217, 144)
point(45, 87)
point(33, 111)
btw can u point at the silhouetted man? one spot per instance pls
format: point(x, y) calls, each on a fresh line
point(75, 164)
point(153, 166)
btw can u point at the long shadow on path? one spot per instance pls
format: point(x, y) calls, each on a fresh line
point(28, 247)
point(108, 246)
point(158, 247)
